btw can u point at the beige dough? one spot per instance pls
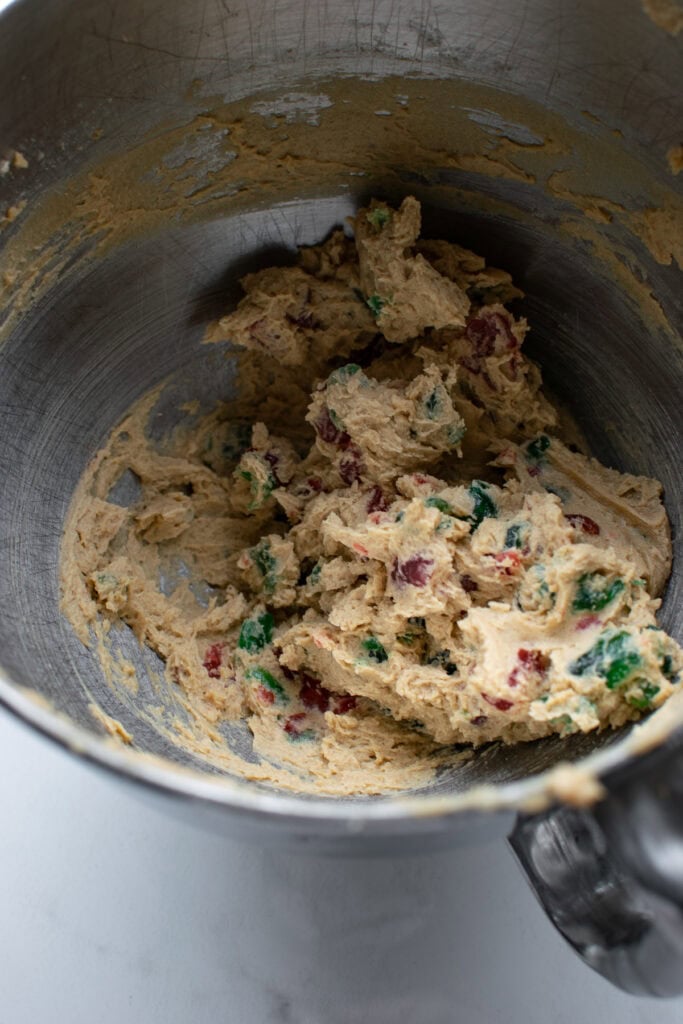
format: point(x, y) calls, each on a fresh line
point(400, 554)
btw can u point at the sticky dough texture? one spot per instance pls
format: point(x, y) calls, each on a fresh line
point(426, 563)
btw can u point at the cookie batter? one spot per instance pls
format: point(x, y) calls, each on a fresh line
point(400, 554)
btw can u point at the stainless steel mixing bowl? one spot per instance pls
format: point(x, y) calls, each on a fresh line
point(173, 145)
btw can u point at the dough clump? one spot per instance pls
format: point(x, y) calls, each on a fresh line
point(416, 559)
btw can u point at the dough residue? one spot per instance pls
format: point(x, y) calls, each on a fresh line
point(666, 14)
point(381, 548)
point(674, 157)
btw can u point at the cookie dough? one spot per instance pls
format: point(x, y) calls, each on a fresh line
point(400, 554)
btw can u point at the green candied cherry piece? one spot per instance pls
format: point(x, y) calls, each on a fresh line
point(563, 493)
point(405, 638)
point(314, 574)
point(613, 657)
point(433, 405)
point(379, 217)
point(456, 432)
point(513, 535)
point(375, 650)
point(341, 375)
point(620, 668)
point(439, 503)
point(590, 660)
point(106, 579)
point(266, 563)
point(267, 679)
point(535, 450)
point(260, 491)
point(443, 660)
point(256, 634)
point(375, 304)
point(484, 505)
point(336, 420)
point(564, 724)
point(666, 665)
point(594, 592)
point(643, 700)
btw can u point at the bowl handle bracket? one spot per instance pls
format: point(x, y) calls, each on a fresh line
point(610, 878)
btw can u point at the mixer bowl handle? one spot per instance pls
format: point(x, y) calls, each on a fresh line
point(610, 878)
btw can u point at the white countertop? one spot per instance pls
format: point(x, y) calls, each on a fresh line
point(112, 912)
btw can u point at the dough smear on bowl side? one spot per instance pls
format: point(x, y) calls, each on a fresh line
point(400, 553)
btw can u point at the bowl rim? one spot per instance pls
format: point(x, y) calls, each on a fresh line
point(324, 815)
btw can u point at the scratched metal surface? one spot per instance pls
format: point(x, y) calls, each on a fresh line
point(85, 79)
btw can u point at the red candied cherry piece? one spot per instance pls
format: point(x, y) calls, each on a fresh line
point(504, 325)
point(264, 694)
point(481, 332)
point(585, 523)
point(529, 661)
point(213, 659)
point(533, 660)
point(498, 702)
point(416, 570)
point(304, 319)
point(508, 562)
point(261, 332)
point(485, 331)
point(351, 464)
point(513, 678)
point(313, 694)
point(586, 621)
point(294, 723)
point(327, 431)
point(273, 460)
point(377, 502)
point(506, 457)
point(510, 368)
point(343, 702)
